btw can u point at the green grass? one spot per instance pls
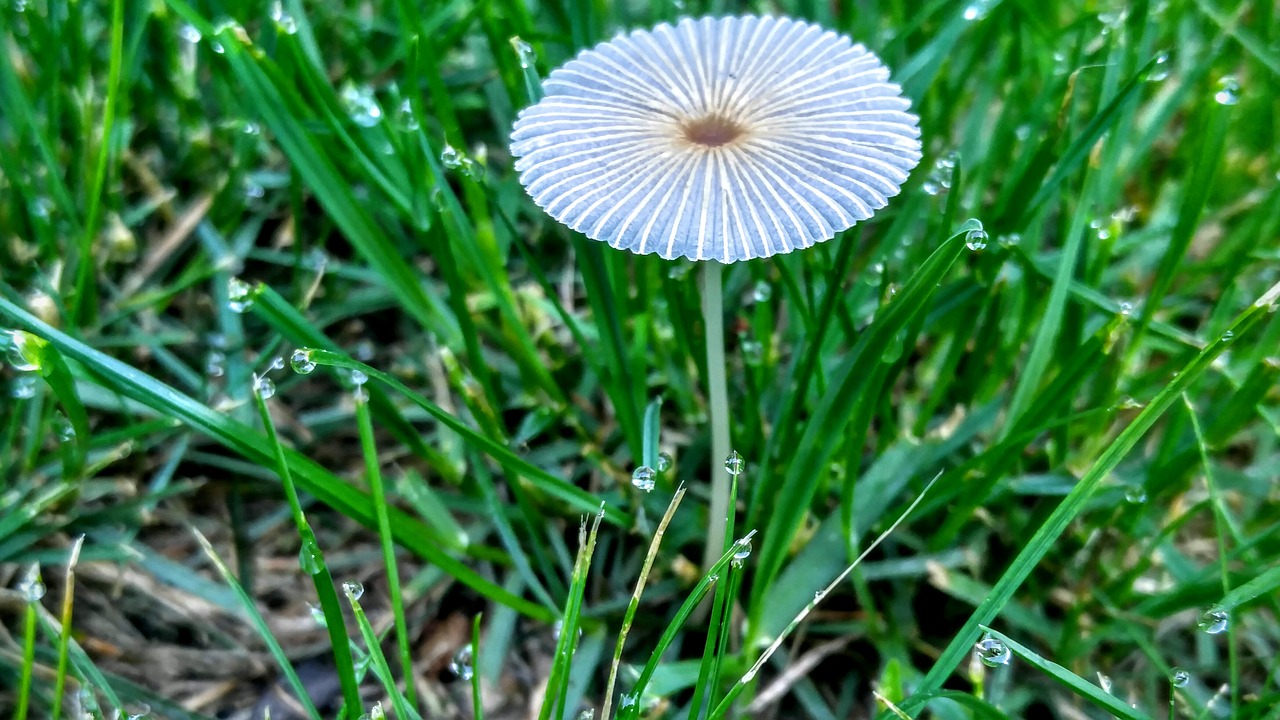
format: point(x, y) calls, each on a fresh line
point(1089, 382)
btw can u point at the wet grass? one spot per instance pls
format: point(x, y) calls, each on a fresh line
point(1087, 375)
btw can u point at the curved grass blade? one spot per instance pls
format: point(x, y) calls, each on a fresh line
point(250, 610)
point(319, 482)
point(574, 496)
point(1075, 683)
point(314, 566)
point(1071, 506)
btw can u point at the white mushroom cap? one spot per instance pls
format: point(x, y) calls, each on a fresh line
point(717, 139)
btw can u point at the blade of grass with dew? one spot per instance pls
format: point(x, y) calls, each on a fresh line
point(717, 641)
point(312, 560)
point(824, 430)
point(290, 323)
point(49, 364)
point(325, 486)
point(748, 679)
point(682, 615)
point(566, 643)
point(1082, 688)
point(377, 495)
point(31, 583)
point(1221, 523)
point(634, 604)
point(250, 611)
point(574, 496)
point(64, 636)
point(1042, 541)
point(380, 666)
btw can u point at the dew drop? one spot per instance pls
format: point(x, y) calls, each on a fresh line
point(253, 190)
point(63, 427)
point(1228, 91)
point(752, 352)
point(976, 239)
point(361, 105)
point(1135, 495)
point(644, 478)
point(588, 714)
point(931, 187)
point(215, 365)
point(277, 363)
point(357, 377)
point(283, 20)
point(1104, 682)
point(1215, 620)
point(240, 295)
point(309, 558)
point(24, 351)
point(353, 589)
point(451, 158)
point(189, 34)
point(741, 554)
point(762, 292)
point(1179, 678)
point(627, 701)
point(301, 362)
point(264, 387)
point(408, 121)
point(992, 652)
point(525, 52)
point(973, 12)
point(461, 664)
point(664, 462)
point(24, 387)
point(734, 463)
point(317, 614)
point(1228, 336)
point(1159, 71)
point(31, 587)
point(1126, 308)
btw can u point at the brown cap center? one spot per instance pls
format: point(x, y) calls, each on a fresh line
point(712, 131)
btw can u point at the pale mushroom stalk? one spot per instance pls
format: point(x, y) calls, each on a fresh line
point(718, 396)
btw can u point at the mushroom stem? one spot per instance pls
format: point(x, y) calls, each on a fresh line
point(718, 392)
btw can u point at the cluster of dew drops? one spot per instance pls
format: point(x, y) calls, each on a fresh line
point(994, 653)
point(645, 477)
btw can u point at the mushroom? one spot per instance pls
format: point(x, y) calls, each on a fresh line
point(719, 139)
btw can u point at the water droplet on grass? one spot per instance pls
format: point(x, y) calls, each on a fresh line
point(734, 463)
point(752, 352)
point(301, 362)
point(762, 292)
point(1159, 71)
point(664, 462)
point(741, 554)
point(318, 615)
point(644, 478)
point(1228, 336)
point(524, 51)
point(309, 558)
point(1126, 308)
point(1104, 682)
point(31, 587)
point(1179, 678)
point(461, 664)
point(240, 295)
point(62, 426)
point(23, 388)
point(23, 351)
point(976, 239)
point(189, 34)
point(588, 714)
point(1228, 91)
point(1215, 620)
point(264, 387)
point(353, 589)
point(992, 652)
point(627, 701)
point(361, 105)
point(1135, 495)
point(408, 121)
